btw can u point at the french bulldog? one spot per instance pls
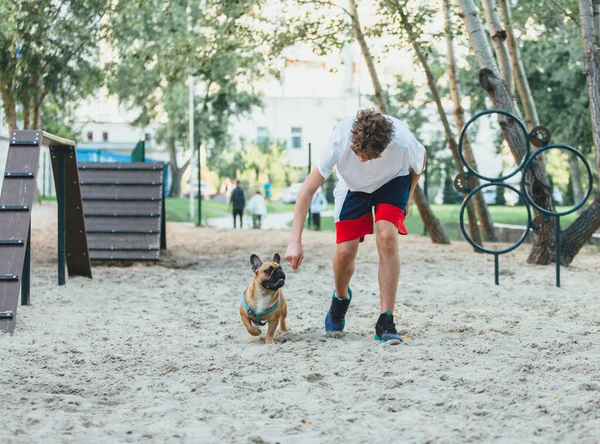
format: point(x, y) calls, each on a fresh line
point(263, 300)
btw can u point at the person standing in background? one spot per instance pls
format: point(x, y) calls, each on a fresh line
point(238, 202)
point(317, 204)
point(267, 189)
point(258, 208)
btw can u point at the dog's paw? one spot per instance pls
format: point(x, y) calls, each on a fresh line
point(269, 341)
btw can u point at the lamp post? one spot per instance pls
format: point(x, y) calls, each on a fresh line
point(309, 168)
point(191, 144)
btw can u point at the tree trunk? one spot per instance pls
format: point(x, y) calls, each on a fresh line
point(531, 115)
point(37, 116)
point(472, 215)
point(498, 35)
point(176, 172)
point(536, 181)
point(575, 173)
point(596, 6)
point(592, 65)
point(10, 108)
point(380, 97)
point(485, 219)
point(26, 108)
point(479, 43)
point(580, 231)
point(432, 223)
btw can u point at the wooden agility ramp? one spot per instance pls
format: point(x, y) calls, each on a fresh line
point(16, 199)
point(124, 210)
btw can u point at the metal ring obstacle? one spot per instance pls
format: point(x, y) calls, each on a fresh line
point(526, 134)
point(589, 173)
point(481, 247)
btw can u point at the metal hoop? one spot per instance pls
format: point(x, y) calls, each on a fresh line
point(480, 247)
point(464, 131)
point(590, 180)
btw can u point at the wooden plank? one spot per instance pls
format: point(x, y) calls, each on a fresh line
point(123, 223)
point(125, 255)
point(78, 260)
point(55, 141)
point(110, 240)
point(108, 176)
point(144, 207)
point(120, 191)
point(15, 225)
point(32, 137)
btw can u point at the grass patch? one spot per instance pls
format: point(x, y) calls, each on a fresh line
point(178, 209)
point(449, 216)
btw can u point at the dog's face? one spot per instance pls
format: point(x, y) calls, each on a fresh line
point(268, 274)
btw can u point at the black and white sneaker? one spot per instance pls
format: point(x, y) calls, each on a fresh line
point(385, 330)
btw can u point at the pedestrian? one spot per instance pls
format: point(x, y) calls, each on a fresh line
point(258, 208)
point(317, 204)
point(238, 202)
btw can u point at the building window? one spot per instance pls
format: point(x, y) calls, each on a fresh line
point(296, 137)
point(90, 136)
point(262, 135)
point(105, 136)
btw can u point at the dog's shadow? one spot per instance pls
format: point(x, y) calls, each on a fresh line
point(308, 335)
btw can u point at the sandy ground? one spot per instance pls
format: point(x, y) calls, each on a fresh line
point(158, 354)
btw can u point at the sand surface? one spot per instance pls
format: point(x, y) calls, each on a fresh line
point(157, 353)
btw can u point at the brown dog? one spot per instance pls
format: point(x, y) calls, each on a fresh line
point(263, 300)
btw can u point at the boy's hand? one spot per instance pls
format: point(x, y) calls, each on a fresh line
point(294, 255)
point(408, 204)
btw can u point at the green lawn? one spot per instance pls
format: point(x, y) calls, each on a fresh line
point(178, 209)
point(449, 215)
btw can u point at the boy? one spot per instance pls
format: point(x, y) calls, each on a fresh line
point(379, 162)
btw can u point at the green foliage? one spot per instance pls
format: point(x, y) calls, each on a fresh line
point(49, 49)
point(256, 164)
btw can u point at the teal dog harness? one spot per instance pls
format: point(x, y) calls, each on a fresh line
point(258, 314)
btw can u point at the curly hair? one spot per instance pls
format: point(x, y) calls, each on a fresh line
point(372, 132)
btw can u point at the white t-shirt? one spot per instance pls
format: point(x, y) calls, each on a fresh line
point(404, 152)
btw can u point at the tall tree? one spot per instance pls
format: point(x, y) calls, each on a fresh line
point(431, 222)
point(397, 8)
point(217, 43)
point(537, 183)
point(596, 4)
point(498, 35)
point(48, 49)
point(531, 115)
point(487, 225)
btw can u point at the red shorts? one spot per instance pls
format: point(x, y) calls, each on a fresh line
point(354, 209)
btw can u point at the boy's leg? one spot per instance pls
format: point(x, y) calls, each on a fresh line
point(389, 264)
point(343, 266)
point(234, 217)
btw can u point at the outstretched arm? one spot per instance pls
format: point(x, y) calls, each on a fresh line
point(310, 185)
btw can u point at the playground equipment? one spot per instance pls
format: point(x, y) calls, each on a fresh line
point(539, 137)
point(16, 199)
point(124, 209)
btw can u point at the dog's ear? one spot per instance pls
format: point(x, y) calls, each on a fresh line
point(276, 258)
point(256, 262)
